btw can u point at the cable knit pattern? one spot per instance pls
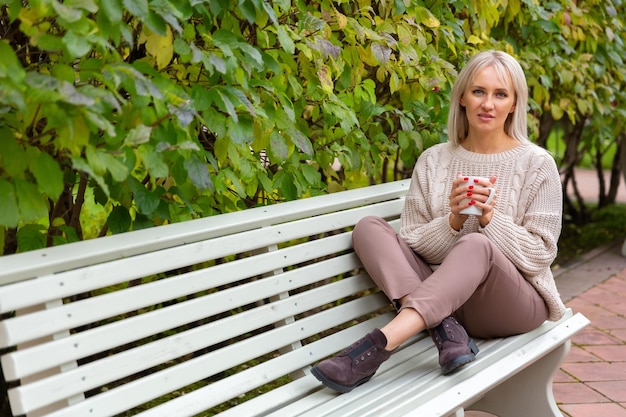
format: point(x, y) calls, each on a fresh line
point(526, 222)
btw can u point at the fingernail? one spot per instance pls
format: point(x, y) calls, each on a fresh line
point(471, 187)
point(476, 180)
point(471, 203)
point(465, 179)
point(469, 194)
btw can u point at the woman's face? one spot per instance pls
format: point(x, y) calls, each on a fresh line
point(488, 101)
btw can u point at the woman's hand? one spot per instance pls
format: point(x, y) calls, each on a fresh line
point(476, 195)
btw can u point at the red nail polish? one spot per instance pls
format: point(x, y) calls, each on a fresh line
point(469, 194)
point(471, 187)
point(476, 180)
point(471, 203)
point(465, 179)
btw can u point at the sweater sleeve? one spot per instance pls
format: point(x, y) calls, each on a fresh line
point(531, 244)
point(426, 229)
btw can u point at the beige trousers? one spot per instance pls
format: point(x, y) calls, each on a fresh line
point(476, 283)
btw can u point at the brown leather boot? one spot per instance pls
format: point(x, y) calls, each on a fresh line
point(355, 365)
point(455, 347)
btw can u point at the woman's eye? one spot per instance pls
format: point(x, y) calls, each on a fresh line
point(477, 92)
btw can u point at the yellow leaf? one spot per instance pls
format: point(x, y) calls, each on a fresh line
point(161, 48)
point(432, 22)
point(474, 40)
point(394, 83)
point(327, 83)
point(557, 112)
point(404, 35)
point(342, 20)
point(73, 136)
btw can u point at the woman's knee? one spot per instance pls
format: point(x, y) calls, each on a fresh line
point(367, 223)
point(370, 226)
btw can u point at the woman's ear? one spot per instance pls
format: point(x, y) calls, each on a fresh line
point(461, 101)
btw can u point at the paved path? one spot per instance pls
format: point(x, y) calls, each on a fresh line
point(592, 381)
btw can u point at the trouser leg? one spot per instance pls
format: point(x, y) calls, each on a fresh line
point(389, 261)
point(476, 282)
point(482, 288)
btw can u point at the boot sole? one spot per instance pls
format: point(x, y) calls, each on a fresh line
point(336, 386)
point(461, 360)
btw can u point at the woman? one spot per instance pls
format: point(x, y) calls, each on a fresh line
point(484, 275)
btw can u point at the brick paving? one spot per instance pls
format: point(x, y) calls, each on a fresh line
point(592, 380)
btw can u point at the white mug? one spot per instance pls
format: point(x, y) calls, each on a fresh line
point(473, 209)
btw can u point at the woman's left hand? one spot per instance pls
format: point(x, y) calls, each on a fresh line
point(487, 208)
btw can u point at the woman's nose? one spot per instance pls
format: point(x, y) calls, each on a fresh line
point(487, 102)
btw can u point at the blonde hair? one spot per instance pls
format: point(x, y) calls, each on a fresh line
point(516, 125)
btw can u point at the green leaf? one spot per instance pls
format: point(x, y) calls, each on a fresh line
point(112, 9)
point(247, 9)
point(285, 183)
point(32, 205)
point(80, 164)
point(311, 174)
point(73, 135)
point(12, 155)
point(69, 14)
point(48, 174)
point(9, 212)
point(137, 7)
point(198, 173)
point(236, 183)
point(226, 41)
point(119, 220)
point(221, 97)
point(138, 135)
point(31, 237)
point(301, 141)
point(278, 151)
point(241, 131)
point(286, 42)
point(76, 45)
point(10, 66)
point(153, 161)
point(69, 233)
point(118, 170)
point(97, 164)
point(147, 201)
point(142, 222)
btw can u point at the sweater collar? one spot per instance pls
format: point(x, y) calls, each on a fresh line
point(462, 153)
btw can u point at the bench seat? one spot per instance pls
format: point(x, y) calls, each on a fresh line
point(225, 316)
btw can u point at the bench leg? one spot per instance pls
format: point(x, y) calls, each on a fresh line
point(529, 393)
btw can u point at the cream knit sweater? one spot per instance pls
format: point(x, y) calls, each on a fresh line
point(526, 222)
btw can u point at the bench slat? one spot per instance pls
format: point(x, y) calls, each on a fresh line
point(244, 381)
point(97, 373)
point(78, 281)
point(62, 258)
point(159, 383)
point(28, 361)
point(306, 393)
point(28, 327)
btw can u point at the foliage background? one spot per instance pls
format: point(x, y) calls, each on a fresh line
point(117, 115)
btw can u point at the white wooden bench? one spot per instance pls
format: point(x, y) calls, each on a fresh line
point(225, 315)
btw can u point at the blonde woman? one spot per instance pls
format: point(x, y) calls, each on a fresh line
point(457, 275)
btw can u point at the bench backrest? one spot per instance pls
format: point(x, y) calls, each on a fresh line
point(188, 317)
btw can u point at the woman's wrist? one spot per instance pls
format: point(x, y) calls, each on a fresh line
point(456, 222)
